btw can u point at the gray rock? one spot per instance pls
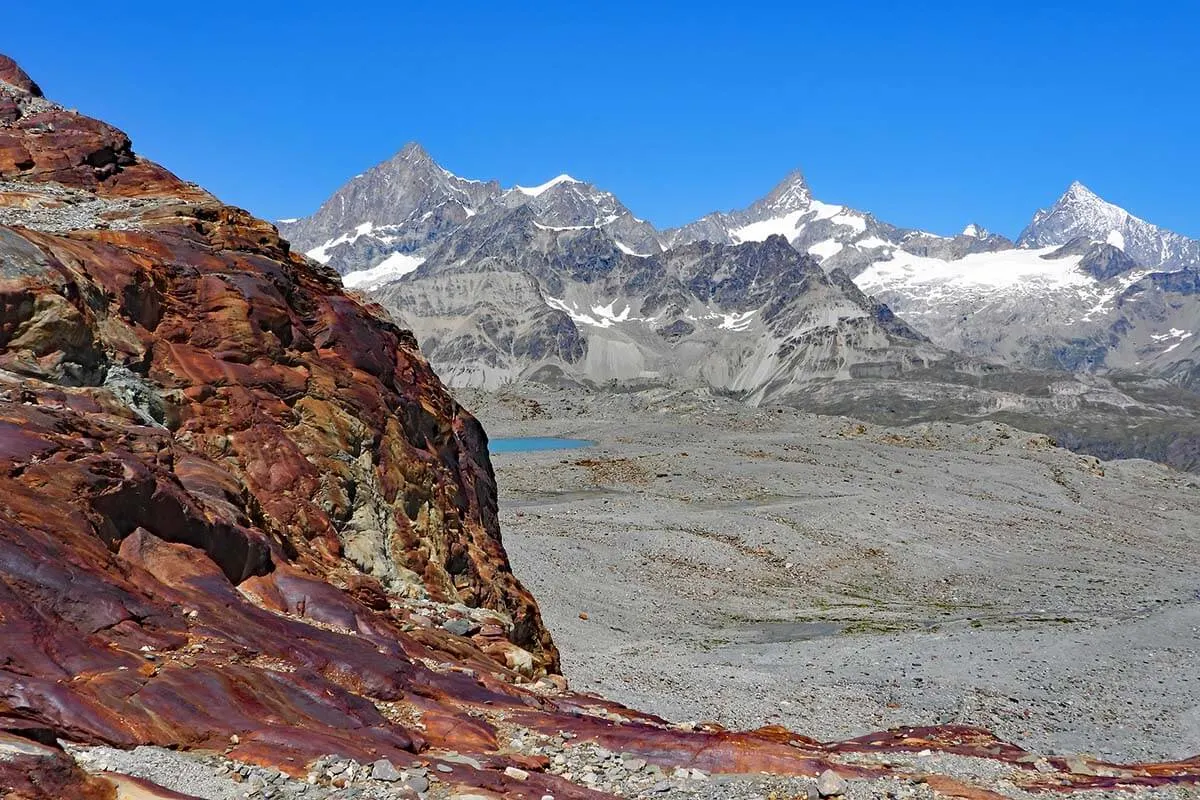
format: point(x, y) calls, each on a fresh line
point(460, 627)
point(384, 770)
point(831, 784)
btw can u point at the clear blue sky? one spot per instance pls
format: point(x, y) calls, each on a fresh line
point(928, 114)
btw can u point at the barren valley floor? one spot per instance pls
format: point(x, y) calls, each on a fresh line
point(768, 566)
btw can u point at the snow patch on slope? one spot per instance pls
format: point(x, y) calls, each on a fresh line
point(600, 316)
point(1003, 270)
point(321, 253)
point(1174, 333)
point(394, 266)
point(825, 249)
point(629, 251)
point(736, 321)
point(762, 230)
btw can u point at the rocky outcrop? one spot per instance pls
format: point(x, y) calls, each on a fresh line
point(240, 516)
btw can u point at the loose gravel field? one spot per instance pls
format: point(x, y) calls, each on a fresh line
point(708, 561)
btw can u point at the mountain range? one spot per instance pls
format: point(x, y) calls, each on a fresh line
point(791, 299)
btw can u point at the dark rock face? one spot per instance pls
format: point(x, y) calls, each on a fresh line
point(1185, 281)
point(1103, 261)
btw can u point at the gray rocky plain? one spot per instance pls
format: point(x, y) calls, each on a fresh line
point(709, 561)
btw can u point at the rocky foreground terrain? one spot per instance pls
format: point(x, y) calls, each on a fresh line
point(249, 545)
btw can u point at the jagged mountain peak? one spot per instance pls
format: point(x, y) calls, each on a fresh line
point(413, 149)
point(1082, 199)
point(1080, 212)
point(790, 194)
point(1077, 191)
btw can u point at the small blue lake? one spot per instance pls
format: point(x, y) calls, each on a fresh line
point(525, 444)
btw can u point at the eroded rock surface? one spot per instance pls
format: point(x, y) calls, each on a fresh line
point(240, 515)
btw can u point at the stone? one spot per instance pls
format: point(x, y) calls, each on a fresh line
point(516, 773)
point(418, 783)
point(831, 784)
point(384, 770)
point(460, 626)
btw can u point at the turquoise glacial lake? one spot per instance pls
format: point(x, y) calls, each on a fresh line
point(526, 444)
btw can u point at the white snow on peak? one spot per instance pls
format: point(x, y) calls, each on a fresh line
point(871, 242)
point(1016, 269)
point(394, 266)
point(972, 230)
point(763, 229)
point(289, 220)
point(321, 253)
point(794, 195)
point(540, 226)
point(786, 224)
point(825, 210)
point(1116, 239)
point(851, 220)
point(825, 249)
point(534, 191)
point(1173, 333)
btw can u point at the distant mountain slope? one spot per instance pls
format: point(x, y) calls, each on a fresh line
point(508, 298)
point(383, 222)
point(399, 206)
point(1088, 286)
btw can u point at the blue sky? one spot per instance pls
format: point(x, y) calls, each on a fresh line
point(928, 114)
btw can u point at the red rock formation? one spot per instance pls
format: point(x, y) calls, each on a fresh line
point(235, 502)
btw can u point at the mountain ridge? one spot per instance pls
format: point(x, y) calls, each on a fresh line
point(1082, 260)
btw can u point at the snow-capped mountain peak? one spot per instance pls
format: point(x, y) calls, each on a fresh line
point(1079, 193)
point(1082, 214)
point(790, 194)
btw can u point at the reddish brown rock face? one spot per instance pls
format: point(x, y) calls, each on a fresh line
point(186, 407)
point(235, 502)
